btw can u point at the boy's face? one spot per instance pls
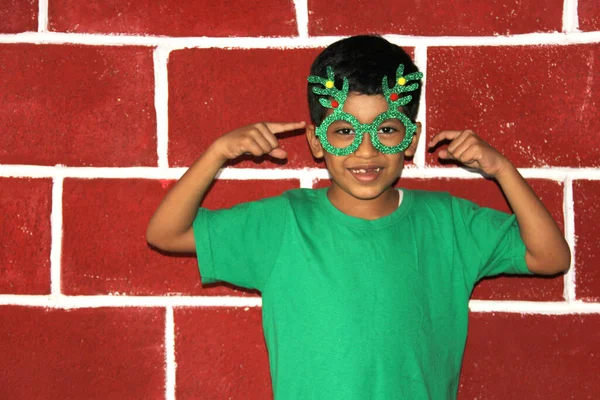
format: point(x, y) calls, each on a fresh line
point(366, 173)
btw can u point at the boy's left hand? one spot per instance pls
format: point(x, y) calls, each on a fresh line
point(469, 149)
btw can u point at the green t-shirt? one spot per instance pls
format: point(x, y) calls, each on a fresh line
point(356, 309)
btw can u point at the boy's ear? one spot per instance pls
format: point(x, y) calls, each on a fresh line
point(415, 141)
point(313, 142)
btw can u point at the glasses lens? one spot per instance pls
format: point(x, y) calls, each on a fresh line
point(391, 132)
point(340, 134)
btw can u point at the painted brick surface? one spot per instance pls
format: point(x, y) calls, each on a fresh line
point(104, 240)
point(487, 194)
point(432, 18)
point(93, 106)
point(77, 105)
point(512, 356)
point(587, 236)
point(213, 91)
point(589, 15)
point(221, 354)
point(175, 18)
point(102, 353)
point(526, 101)
point(25, 206)
point(18, 16)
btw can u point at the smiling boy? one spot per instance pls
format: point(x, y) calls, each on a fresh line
point(365, 287)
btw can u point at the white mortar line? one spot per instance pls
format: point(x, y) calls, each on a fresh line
point(56, 229)
point(302, 17)
point(161, 104)
point(42, 16)
point(173, 43)
point(308, 176)
point(278, 174)
point(570, 16)
point(170, 354)
point(555, 174)
point(421, 62)
point(314, 175)
point(41, 171)
point(569, 222)
point(307, 182)
point(534, 307)
point(73, 302)
point(68, 302)
point(558, 174)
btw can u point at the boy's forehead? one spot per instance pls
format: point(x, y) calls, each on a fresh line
point(357, 103)
point(364, 107)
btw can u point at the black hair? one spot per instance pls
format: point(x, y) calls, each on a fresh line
point(363, 60)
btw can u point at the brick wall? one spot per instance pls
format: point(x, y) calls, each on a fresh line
point(103, 104)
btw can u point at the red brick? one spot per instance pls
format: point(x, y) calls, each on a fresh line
point(528, 101)
point(221, 354)
point(102, 353)
point(175, 18)
point(512, 356)
point(18, 16)
point(25, 206)
point(77, 105)
point(487, 194)
point(432, 18)
point(104, 239)
point(589, 15)
point(213, 91)
point(587, 236)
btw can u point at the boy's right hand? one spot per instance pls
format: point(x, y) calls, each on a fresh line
point(256, 139)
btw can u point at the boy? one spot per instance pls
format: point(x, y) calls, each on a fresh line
point(365, 288)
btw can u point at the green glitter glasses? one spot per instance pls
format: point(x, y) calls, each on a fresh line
point(391, 132)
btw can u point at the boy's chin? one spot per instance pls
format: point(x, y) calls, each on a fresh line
point(367, 193)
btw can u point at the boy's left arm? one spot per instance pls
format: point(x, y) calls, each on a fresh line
point(547, 250)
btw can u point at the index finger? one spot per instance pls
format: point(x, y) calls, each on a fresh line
point(443, 135)
point(280, 127)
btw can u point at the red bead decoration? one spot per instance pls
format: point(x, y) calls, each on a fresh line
point(334, 104)
point(394, 96)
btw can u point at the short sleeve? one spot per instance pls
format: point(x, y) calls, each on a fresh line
point(490, 239)
point(240, 245)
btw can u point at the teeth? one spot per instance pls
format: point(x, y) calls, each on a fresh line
point(364, 171)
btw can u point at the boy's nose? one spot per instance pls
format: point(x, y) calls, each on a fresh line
point(366, 148)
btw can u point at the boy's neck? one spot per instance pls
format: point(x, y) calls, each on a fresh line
point(371, 209)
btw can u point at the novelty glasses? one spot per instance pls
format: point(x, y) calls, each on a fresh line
point(341, 133)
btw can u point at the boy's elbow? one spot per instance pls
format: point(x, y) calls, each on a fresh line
point(153, 239)
point(563, 262)
point(156, 238)
point(566, 260)
point(555, 268)
point(177, 243)
point(550, 264)
point(159, 243)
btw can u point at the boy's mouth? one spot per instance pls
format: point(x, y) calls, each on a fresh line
point(365, 173)
point(364, 170)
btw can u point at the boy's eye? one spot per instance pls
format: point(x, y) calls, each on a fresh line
point(387, 129)
point(345, 131)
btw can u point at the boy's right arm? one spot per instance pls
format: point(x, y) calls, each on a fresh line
point(170, 227)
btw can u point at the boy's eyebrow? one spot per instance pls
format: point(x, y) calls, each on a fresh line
point(340, 122)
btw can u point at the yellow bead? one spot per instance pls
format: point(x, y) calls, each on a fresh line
point(401, 81)
point(329, 84)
